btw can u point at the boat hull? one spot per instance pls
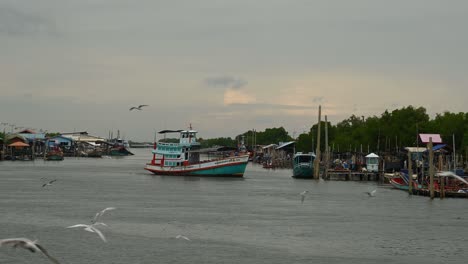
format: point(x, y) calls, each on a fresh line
point(303, 172)
point(54, 157)
point(228, 167)
point(401, 184)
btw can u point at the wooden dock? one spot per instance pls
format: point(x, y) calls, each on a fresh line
point(427, 192)
point(347, 175)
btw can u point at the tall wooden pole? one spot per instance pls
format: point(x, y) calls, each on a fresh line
point(4, 144)
point(454, 156)
point(431, 168)
point(317, 151)
point(410, 173)
point(327, 151)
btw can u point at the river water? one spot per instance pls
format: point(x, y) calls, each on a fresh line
point(257, 219)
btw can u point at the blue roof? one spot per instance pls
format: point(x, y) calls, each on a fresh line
point(61, 137)
point(30, 137)
point(437, 147)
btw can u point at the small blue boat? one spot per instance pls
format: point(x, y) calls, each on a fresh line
point(303, 165)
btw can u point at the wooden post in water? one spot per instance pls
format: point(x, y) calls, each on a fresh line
point(3, 146)
point(410, 173)
point(442, 187)
point(317, 151)
point(431, 168)
point(327, 151)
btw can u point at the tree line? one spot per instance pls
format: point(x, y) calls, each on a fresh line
point(391, 131)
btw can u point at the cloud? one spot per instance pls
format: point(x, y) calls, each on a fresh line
point(14, 22)
point(235, 96)
point(225, 82)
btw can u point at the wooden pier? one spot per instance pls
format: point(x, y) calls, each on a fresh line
point(348, 175)
point(437, 193)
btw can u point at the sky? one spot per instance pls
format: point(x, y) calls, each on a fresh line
point(226, 67)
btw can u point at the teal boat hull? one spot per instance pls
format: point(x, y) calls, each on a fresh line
point(227, 167)
point(303, 172)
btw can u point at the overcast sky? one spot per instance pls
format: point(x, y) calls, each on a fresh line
point(226, 66)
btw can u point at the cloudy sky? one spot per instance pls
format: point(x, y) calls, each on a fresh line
point(226, 66)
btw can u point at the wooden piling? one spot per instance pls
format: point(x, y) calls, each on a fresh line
point(431, 168)
point(410, 173)
point(327, 151)
point(317, 151)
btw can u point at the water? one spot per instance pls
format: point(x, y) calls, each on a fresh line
point(258, 219)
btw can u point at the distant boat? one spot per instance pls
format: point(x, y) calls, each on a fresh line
point(303, 165)
point(183, 158)
point(55, 153)
point(119, 151)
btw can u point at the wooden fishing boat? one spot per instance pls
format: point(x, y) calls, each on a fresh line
point(55, 153)
point(184, 158)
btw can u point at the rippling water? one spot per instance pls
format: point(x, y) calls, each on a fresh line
point(258, 219)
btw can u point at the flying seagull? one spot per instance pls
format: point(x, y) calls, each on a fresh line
point(137, 108)
point(303, 195)
point(371, 194)
point(99, 215)
point(29, 245)
point(91, 228)
point(182, 237)
point(48, 183)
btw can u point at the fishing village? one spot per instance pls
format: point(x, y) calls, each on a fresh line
point(227, 132)
point(428, 167)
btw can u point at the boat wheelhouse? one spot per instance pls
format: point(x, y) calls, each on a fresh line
point(185, 158)
point(303, 165)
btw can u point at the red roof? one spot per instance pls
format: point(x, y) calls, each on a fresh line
point(18, 144)
point(436, 139)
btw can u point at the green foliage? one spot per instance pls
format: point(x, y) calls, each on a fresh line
point(269, 136)
point(169, 140)
point(226, 142)
point(52, 134)
point(392, 130)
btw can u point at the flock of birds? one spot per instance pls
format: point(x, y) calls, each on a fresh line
point(33, 246)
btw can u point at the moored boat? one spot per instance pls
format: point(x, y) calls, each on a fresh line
point(303, 165)
point(184, 159)
point(55, 153)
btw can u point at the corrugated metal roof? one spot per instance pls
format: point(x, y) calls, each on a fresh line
point(269, 146)
point(372, 155)
point(415, 149)
point(286, 144)
point(436, 139)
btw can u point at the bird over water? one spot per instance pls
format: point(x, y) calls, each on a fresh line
point(29, 245)
point(303, 195)
point(371, 194)
point(137, 107)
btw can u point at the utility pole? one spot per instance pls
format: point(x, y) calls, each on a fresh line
point(317, 152)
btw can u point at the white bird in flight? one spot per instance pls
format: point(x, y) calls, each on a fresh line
point(92, 229)
point(303, 195)
point(183, 237)
point(29, 245)
point(99, 215)
point(371, 194)
point(48, 183)
point(137, 107)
